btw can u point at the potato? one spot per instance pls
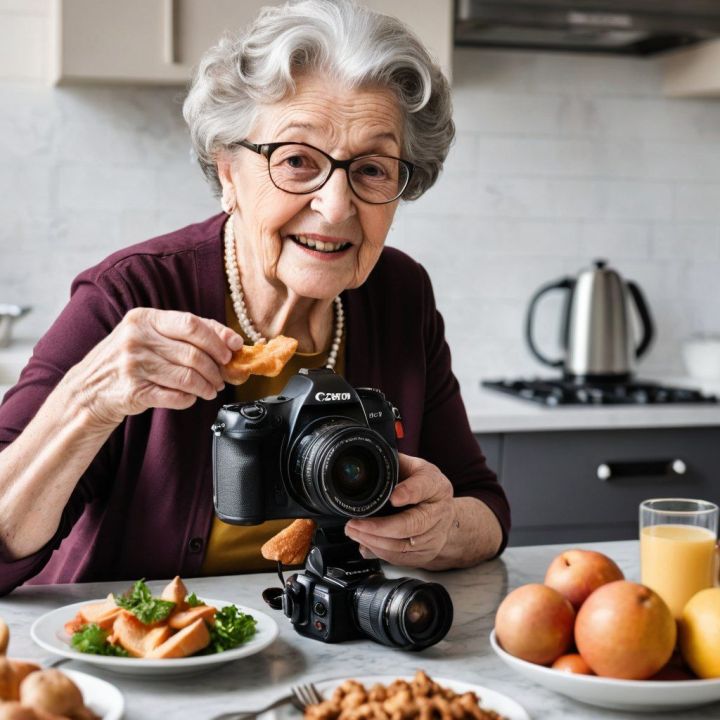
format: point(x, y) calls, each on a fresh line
point(23, 668)
point(53, 692)
point(15, 711)
point(9, 681)
point(4, 636)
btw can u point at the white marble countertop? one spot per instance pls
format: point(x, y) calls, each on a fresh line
point(252, 682)
point(490, 411)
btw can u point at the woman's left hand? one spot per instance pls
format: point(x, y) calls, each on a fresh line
point(413, 537)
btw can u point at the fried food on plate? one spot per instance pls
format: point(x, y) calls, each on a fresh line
point(291, 545)
point(260, 359)
point(419, 699)
point(174, 625)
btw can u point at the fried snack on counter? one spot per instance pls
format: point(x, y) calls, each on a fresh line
point(291, 545)
point(422, 698)
point(260, 359)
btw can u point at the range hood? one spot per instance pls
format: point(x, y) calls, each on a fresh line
point(621, 27)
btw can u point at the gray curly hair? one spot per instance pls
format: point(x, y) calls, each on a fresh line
point(349, 43)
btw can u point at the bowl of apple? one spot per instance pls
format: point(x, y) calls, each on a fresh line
point(589, 634)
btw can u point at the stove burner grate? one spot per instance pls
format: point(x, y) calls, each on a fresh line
point(567, 392)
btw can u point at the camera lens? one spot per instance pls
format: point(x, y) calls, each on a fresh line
point(352, 472)
point(405, 612)
point(341, 468)
point(419, 614)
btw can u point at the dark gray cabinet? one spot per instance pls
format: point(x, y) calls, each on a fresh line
point(586, 485)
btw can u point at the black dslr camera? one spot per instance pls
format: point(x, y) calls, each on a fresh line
point(341, 596)
point(319, 449)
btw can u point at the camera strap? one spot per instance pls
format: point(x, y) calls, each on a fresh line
point(273, 595)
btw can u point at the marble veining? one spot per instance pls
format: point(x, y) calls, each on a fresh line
point(252, 682)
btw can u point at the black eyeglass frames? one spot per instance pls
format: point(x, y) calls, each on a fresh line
point(299, 169)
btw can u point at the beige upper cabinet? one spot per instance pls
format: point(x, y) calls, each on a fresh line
point(693, 71)
point(160, 41)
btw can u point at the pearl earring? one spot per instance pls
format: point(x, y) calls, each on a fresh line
point(228, 203)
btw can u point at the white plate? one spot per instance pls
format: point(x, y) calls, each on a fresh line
point(99, 695)
point(48, 632)
point(633, 695)
point(489, 699)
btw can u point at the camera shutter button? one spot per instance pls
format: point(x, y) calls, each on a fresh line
point(253, 412)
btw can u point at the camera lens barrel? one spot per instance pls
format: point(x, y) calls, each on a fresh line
point(405, 612)
point(343, 468)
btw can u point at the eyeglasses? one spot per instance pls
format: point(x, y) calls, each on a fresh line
point(299, 169)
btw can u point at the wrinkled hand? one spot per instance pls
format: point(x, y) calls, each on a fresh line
point(154, 359)
point(415, 536)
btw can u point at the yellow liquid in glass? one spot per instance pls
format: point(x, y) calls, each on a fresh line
point(677, 561)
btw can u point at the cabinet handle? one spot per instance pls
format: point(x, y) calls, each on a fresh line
point(641, 468)
point(169, 31)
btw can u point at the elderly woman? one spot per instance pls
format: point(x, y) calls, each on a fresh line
point(311, 126)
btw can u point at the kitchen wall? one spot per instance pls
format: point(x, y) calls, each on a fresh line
point(559, 159)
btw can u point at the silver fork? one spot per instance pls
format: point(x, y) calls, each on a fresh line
point(302, 695)
point(307, 694)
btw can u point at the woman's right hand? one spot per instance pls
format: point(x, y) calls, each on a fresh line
point(153, 359)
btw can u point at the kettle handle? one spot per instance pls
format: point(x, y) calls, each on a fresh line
point(564, 284)
point(645, 317)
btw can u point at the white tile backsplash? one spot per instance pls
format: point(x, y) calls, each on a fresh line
point(559, 159)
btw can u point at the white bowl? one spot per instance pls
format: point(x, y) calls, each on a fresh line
point(702, 358)
point(630, 695)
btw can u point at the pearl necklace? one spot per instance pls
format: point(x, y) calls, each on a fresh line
point(238, 301)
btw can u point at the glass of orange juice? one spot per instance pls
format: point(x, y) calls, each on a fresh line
point(677, 548)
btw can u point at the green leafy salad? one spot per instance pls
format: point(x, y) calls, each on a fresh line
point(167, 628)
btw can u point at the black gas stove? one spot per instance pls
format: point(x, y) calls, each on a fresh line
point(569, 392)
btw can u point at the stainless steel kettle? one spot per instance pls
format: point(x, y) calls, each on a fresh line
point(597, 332)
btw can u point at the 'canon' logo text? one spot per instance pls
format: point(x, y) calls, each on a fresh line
point(330, 397)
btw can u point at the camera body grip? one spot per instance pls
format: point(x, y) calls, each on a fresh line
point(236, 501)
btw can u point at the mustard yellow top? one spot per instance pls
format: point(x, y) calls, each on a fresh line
point(236, 548)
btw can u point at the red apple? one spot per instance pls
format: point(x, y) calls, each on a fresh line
point(535, 623)
point(577, 573)
point(625, 630)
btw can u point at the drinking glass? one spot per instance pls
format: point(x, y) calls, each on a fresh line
point(677, 548)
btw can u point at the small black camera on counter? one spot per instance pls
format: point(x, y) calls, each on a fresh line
point(342, 596)
point(319, 449)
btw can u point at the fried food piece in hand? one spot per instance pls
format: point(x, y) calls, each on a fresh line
point(260, 359)
point(291, 545)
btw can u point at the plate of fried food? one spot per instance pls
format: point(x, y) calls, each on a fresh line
point(136, 633)
point(377, 697)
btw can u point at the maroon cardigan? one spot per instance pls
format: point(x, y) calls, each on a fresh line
point(144, 506)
